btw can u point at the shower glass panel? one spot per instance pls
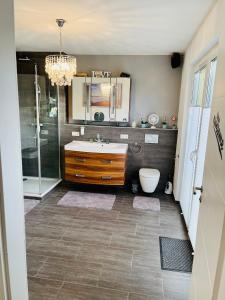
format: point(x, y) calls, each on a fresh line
point(39, 130)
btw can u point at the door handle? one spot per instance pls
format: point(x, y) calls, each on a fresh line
point(106, 161)
point(197, 189)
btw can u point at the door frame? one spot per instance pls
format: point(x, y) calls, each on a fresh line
point(11, 189)
point(4, 276)
point(199, 65)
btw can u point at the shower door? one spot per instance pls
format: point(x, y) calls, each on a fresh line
point(39, 130)
point(48, 133)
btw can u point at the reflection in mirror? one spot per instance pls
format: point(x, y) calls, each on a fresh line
point(99, 100)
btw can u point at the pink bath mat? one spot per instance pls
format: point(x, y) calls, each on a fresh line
point(146, 203)
point(87, 200)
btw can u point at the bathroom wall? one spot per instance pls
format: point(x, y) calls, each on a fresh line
point(155, 86)
point(159, 156)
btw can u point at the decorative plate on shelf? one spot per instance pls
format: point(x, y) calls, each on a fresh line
point(153, 119)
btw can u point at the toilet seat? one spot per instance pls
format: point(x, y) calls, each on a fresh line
point(148, 173)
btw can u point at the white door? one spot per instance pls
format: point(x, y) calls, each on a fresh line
point(209, 250)
point(212, 208)
point(201, 151)
point(192, 137)
point(196, 140)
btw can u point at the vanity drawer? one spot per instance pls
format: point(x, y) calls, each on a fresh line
point(94, 177)
point(109, 156)
point(94, 163)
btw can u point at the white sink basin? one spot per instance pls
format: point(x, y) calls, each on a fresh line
point(84, 146)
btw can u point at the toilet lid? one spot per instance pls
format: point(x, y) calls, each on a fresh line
point(149, 172)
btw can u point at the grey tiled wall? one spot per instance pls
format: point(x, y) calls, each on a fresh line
point(159, 156)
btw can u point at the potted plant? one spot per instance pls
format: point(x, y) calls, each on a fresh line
point(144, 124)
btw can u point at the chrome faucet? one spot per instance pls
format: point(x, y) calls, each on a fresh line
point(98, 139)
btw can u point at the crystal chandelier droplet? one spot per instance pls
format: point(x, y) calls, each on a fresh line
point(60, 68)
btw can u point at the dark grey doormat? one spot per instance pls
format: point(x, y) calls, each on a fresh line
point(176, 255)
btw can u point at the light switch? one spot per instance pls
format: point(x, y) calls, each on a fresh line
point(151, 138)
point(75, 133)
point(124, 136)
point(44, 131)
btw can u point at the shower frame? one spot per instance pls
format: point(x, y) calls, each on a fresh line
point(38, 126)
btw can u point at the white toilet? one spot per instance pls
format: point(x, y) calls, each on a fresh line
point(149, 179)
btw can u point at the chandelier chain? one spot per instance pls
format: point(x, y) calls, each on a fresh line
point(60, 40)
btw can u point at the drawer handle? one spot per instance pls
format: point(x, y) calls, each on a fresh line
point(80, 175)
point(106, 177)
point(80, 159)
point(106, 161)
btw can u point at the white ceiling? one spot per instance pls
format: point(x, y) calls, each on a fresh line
point(139, 27)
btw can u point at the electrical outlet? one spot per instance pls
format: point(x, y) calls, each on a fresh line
point(151, 138)
point(124, 136)
point(75, 133)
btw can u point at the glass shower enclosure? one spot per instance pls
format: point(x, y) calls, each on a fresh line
point(38, 103)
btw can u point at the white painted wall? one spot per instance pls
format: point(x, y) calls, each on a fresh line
point(10, 150)
point(205, 38)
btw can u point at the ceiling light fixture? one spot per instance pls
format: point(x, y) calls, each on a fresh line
point(60, 67)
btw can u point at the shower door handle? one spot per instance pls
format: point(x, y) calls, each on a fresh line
point(35, 124)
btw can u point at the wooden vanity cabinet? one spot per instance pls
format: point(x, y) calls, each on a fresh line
point(95, 168)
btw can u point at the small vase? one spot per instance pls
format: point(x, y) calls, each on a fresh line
point(134, 124)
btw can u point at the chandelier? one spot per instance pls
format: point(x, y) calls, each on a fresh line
point(60, 68)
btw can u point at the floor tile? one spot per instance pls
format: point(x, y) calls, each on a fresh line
point(88, 236)
point(47, 247)
point(45, 231)
point(176, 285)
point(140, 218)
point(134, 296)
point(67, 271)
point(134, 242)
point(95, 214)
point(147, 258)
point(114, 226)
point(69, 222)
point(132, 282)
point(108, 256)
point(34, 263)
point(79, 292)
point(40, 289)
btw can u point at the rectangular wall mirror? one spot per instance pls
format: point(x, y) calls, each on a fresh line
point(99, 100)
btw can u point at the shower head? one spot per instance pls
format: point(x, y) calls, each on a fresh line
point(24, 58)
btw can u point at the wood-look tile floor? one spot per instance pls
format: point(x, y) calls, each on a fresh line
point(87, 254)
